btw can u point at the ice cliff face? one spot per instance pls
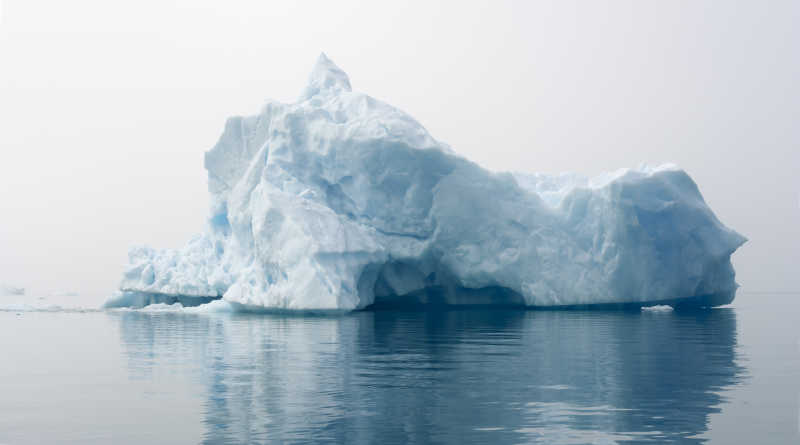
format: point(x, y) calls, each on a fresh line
point(339, 201)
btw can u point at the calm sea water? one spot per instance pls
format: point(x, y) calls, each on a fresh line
point(729, 375)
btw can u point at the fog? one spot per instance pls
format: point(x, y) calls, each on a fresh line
point(106, 109)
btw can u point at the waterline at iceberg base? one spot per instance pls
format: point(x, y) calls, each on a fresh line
point(340, 202)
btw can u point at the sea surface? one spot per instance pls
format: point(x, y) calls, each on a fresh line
point(729, 375)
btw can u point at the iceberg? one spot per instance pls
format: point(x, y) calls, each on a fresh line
point(8, 290)
point(339, 201)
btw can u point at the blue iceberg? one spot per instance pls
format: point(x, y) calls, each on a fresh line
point(339, 201)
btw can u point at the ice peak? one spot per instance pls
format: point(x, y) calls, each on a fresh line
point(325, 76)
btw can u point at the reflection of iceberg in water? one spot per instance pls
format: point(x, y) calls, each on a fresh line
point(458, 376)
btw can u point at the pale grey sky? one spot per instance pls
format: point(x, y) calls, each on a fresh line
point(107, 107)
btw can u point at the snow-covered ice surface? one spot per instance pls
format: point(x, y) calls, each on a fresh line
point(338, 201)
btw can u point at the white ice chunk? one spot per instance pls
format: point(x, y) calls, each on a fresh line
point(7, 289)
point(657, 308)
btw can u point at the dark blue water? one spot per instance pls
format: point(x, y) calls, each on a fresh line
point(460, 376)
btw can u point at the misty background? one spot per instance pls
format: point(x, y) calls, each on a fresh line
point(107, 108)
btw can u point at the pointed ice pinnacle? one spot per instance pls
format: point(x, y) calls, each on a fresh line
point(325, 76)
